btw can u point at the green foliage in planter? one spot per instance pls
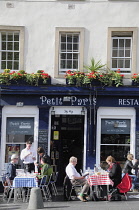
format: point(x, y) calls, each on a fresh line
point(95, 66)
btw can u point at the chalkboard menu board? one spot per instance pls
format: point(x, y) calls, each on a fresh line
point(137, 145)
point(43, 139)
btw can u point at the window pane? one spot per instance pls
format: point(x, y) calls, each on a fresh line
point(114, 63)
point(75, 47)
point(3, 55)
point(121, 42)
point(16, 45)
point(115, 139)
point(75, 56)
point(10, 56)
point(127, 63)
point(120, 63)
point(69, 47)
point(75, 64)
point(9, 64)
point(10, 37)
point(69, 38)
point(127, 42)
point(3, 37)
point(69, 64)
point(63, 56)
point(114, 53)
point(69, 56)
point(16, 65)
point(3, 64)
point(63, 47)
point(127, 53)
point(3, 45)
point(16, 56)
point(9, 45)
point(16, 37)
point(63, 38)
point(63, 64)
point(115, 42)
point(121, 53)
point(118, 152)
point(75, 39)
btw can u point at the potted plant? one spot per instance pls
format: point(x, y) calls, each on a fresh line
point(18, 77)
point(112, 78)
point(70, 78)
point(135, 79)
point(5, 77)
point(39, 78)
point(94, 73)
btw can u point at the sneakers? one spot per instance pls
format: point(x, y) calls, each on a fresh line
point(81, 198)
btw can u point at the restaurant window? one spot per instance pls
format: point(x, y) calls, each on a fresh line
point(69, 50)
point(115, 139)
point(18, 131)
point(11, 47)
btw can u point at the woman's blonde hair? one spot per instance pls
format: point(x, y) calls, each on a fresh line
point(130, 156)
point(110, 159)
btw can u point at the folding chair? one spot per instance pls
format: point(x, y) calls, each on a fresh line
point(122, 188)
point(46, 185)
point(42, 185)
point(6, 187)
point(53, 184)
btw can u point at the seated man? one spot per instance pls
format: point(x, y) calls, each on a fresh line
point(76, 178)
point(11, 167)
point(46, 169)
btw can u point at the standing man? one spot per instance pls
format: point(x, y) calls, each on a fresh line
point(76, 178)
point(28, 157)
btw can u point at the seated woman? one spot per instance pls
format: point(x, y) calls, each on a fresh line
point(115, 174)
point(115, 171)
point(128, 166)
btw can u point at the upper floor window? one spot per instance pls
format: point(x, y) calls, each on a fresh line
point(9, 50)
point(121, 54)
point(68, 50)
point(122, 49)
point(11, 47)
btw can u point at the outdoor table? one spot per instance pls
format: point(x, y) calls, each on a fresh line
point(97, 180)
point(23, 182)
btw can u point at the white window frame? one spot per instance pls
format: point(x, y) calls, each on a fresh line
point(21, 31)
point(65, 110)
point(124, 30)
point(74, 30)
point(13, 111)
point(115, 113)
point(123, 70)
point(63, 71)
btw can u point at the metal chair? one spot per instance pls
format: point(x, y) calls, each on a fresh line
point(42, 185)
point(46, 185)
point(53, 184)
point(6, 187)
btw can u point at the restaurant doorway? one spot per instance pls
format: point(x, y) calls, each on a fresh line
point(67, 139)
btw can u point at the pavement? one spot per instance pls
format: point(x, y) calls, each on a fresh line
point(58, 203)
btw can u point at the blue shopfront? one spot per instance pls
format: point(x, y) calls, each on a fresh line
point(89, 123)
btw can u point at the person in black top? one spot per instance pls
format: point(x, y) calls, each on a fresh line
point(115, 171)
point(11, 167)
point(41, 154)
point(128, 166)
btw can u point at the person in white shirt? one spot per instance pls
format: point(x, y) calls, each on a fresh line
point(28, 157)
point(76, 178)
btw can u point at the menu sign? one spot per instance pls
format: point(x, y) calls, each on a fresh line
point(115, 126)
point(43, 139)
point(20, 125)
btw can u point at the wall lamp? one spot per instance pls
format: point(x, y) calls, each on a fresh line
point(52, 111)
point(82, 111)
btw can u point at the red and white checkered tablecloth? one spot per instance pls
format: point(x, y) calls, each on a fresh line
point(99, 180)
